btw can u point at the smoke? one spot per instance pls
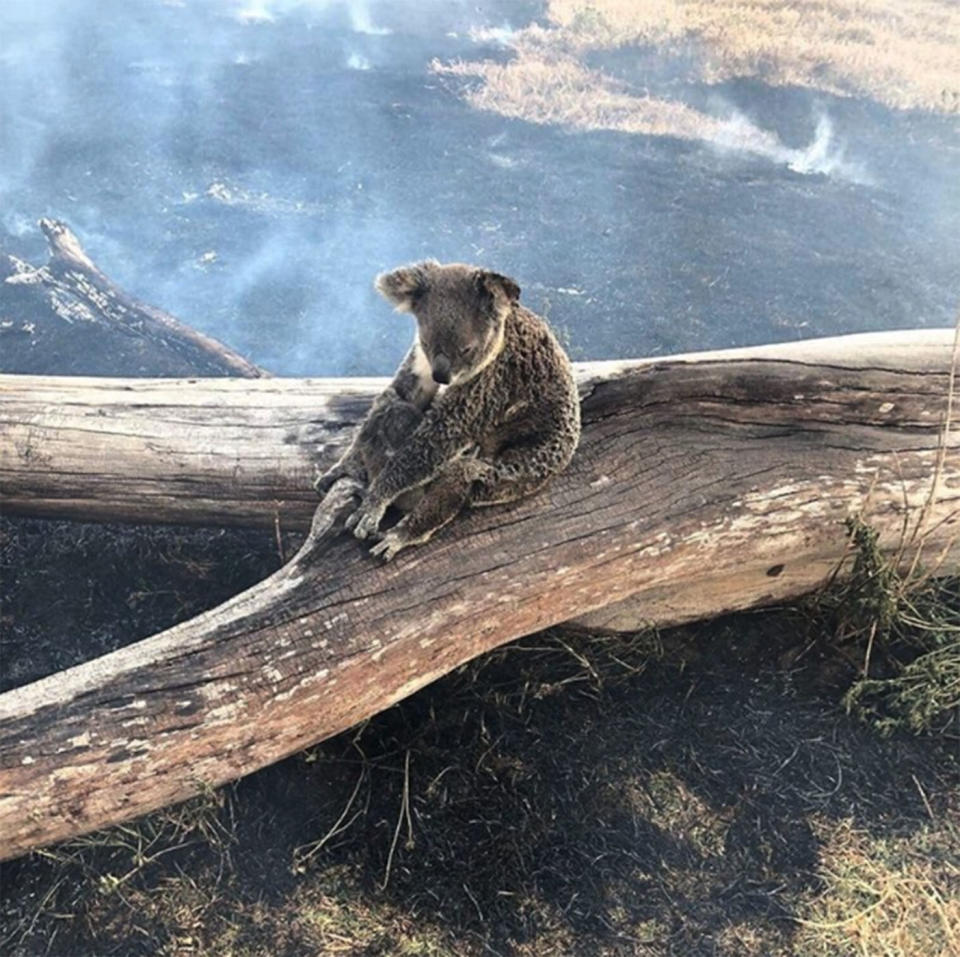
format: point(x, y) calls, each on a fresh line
point(191, 157)
point(357, 61)
point(823, 156)
point(256, 11)
point(362, 23)
point(17, 224)
point(32, 99)
point(556, 89)
point(249, 165)
point(502, 36)
point(268, 11)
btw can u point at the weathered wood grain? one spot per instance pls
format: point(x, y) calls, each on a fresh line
point(702, 483)
point(223, 451)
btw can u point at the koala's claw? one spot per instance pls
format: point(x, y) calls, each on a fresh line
point(364, 523)
point(365, 527)
point(389, 545)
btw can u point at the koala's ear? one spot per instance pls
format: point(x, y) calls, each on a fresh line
point(402, 286)
point(494, 282)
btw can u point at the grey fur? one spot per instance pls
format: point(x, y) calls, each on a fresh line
point(507, 422)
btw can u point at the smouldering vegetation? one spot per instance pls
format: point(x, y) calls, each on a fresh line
point(560, 89)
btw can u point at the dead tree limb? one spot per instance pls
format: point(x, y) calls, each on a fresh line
point(227, 452)
point(702, 484)
point(70, 291)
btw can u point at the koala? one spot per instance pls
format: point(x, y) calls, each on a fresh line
point(486, 404)
point(389, 423)
point(392, 418)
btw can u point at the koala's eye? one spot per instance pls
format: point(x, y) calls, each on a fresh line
point(465, 352)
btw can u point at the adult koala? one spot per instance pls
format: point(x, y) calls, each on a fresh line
point(483, 410)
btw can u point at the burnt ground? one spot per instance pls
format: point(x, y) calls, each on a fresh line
point(251, 182)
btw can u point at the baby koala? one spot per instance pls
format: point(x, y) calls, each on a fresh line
point(485, 403)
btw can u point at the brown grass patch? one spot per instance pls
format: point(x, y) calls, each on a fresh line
point(902, 53)
point(555, 88)
point(884, 896)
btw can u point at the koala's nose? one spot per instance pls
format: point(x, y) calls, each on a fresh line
point(441, 369)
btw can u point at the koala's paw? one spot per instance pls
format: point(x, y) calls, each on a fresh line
point(323, 482)
point(365, 521)
point(390, 544)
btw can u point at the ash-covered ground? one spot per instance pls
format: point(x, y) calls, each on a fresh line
point(249, 166)
point(697, 793)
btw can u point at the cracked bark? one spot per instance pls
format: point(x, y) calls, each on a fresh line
point(703, 484)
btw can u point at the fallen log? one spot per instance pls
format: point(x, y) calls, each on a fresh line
point(78, 314)
point(702, 484)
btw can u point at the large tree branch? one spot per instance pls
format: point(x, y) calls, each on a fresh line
point(701, 484)
point(227, 452)
point(74, 293)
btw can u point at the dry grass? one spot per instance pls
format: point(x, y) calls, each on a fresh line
point(668, 804)
point(884, 896)
point(902, 53)
point(329, 915)
point(554, 88)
